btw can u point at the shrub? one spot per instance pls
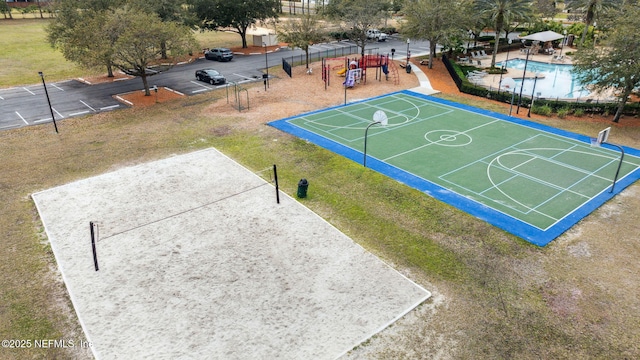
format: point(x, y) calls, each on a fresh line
point(541, 110)
point(578, 112)
point(389, 30)
point(563, 112)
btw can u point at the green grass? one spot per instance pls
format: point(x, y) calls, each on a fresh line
point(26, 51)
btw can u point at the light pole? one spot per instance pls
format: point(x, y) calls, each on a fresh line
point(408, 53)
point(535, 80)
point(266, 64)
point(504, 65)
point(564, 40)
point(48, 101)
point(524, 73)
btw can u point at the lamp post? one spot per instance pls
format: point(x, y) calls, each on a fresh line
point(266, 64)
point(504, 65)
point(524, 73)
point(564, 40)
point(55, 126)
point(408, 53)
point(535, 80)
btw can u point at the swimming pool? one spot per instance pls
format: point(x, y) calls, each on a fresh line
point(558, 81)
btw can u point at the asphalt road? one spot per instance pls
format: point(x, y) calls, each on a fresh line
point(28, 105)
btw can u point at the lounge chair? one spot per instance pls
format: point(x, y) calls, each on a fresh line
point(483, 55)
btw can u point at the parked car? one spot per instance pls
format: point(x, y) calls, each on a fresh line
point(375, 34)
point(220, 54)
point(211, 76)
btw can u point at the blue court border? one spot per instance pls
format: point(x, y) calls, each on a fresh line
point(510, 224)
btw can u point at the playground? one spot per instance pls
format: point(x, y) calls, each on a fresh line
point(531, 180)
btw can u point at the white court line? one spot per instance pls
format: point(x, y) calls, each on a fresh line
point(436, 142)
point(87, 105)
point(20, 116)
point(29, 91)
point(57, 87)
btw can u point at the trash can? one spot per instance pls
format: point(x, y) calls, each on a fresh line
point(408, 68)
point(303, 184)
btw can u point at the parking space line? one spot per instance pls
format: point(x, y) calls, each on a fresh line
point(29, 91)
point(57, 87)
point(42, 120)
point(9, 126)
point(87, 105)
point(61, 116)
point(199, 90)
point(20, 116)
point(80, 113)
point(242, 76)
point(199, 84)
point(109, 107)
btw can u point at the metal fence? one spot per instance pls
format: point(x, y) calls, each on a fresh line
point(297, 60)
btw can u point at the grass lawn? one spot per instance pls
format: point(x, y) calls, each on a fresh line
point(495, 296)
point(21, 60)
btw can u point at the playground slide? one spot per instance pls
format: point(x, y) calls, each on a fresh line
point(342, 71)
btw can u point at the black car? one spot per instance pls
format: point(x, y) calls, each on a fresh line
point(211, 76)
point(220, 54)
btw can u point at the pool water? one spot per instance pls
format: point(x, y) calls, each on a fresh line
point(558, 81)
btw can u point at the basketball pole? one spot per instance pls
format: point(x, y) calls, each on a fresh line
point(364, 162)
point(615, 179)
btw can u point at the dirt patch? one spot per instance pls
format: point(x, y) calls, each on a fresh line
point(138, 98)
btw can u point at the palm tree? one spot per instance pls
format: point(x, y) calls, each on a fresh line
point(500, 11)
point(592, 9)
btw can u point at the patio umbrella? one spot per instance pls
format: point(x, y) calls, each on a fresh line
point(544, 36)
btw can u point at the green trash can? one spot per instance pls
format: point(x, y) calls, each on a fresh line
point(303, 184)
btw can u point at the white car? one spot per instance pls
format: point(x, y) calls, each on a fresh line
point(375, 34)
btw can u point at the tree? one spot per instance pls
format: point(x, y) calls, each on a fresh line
point(592, 8)
point(616, 63)
point(359, 16)
point(437, 21)
point(301, 33)
point(237, 15)
point(139, 38)
point(167, 10)
point(78, 32)
point(5, 9)
point(500, 12)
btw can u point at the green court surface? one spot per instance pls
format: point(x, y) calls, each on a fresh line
point(529, 179)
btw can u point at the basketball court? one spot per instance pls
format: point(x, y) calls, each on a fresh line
point(529, 179)
point(194, 258)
